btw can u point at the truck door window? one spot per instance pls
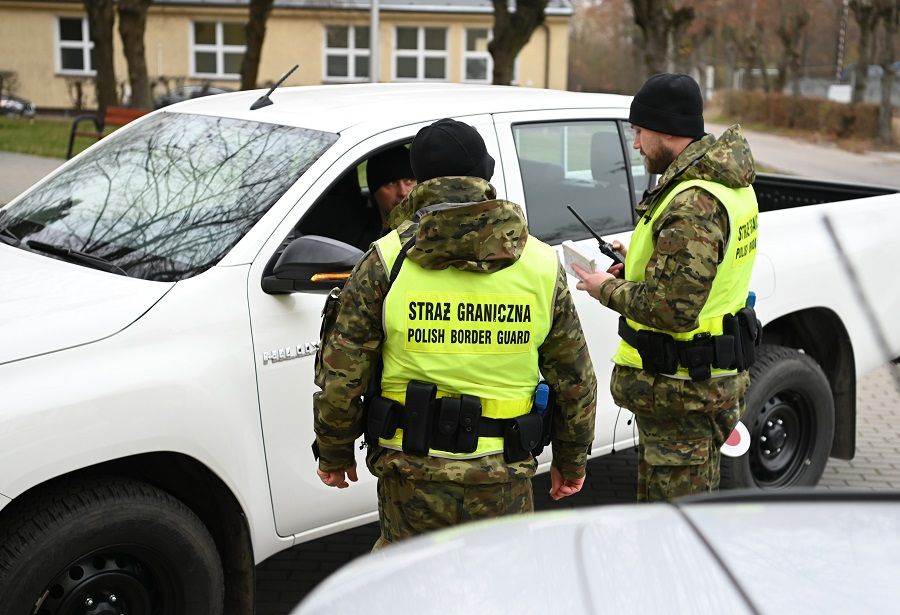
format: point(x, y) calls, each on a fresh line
point(578, 163)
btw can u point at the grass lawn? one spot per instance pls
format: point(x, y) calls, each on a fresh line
point(40, 136)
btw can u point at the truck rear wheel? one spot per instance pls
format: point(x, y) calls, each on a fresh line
point(107, 547)
point(790, 416)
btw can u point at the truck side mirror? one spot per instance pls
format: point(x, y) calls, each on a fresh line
point(311, 262)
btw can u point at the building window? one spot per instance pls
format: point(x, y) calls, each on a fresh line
point(217, 49)
point(420, 53)
point(75, 49)
point(477, 61)
point(346, 53)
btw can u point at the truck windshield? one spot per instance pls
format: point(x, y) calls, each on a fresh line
point(169, 197)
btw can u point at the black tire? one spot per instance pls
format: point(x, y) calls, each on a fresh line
point(106, 546)
point(790, 416)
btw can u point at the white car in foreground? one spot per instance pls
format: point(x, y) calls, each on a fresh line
point(803, 553)
point(160, 301)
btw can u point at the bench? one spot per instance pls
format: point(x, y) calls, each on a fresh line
point(114, 116)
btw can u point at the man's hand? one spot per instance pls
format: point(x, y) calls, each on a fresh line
point(591, 281)
point(338, 478)
point(561, 487)
point(618, 269)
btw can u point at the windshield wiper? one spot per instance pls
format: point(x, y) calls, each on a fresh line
point(74, 256)
point(8, 237)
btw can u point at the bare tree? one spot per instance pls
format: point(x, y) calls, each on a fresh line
point(9, 82)
point(866, 14)
point(132, 24)
point(659, 22)
point(256, 33)
point(790, 31)
point(889, 12)
point(100, 19)
point(512, 31)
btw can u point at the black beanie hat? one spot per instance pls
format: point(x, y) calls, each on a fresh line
point(387, 166)
point(448, 147)
point(670, 104)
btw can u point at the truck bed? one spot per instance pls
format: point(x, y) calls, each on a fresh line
point(776, 192)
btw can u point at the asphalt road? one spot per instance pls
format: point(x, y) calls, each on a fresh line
point(820, 160)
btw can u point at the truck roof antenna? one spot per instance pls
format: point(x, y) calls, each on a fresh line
point(264, 100)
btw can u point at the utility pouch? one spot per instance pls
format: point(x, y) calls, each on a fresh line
point(469, 420)
point(417, 427)
point(731, 331)
point(382, 419)
point(750, 334)
point(523, 435)
point(447, 423)
point(658, 355)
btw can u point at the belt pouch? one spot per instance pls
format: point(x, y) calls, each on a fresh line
point(447, 424)
point(382, 418)
point(731, 333)
point(749, 334)
point(523, 434)
point(419, 416)
point(469, 417)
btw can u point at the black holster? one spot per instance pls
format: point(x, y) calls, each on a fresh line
point(523, 435)
point(382, 418)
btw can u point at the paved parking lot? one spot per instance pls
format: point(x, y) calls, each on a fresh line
point(284, 579)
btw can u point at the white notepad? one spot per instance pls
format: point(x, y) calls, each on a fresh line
point(586, 255)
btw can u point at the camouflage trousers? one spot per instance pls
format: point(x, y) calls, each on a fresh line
point(410, 507)
point(682, 426)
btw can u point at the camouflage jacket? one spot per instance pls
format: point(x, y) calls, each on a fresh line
point(483, 235)
point(678, 279)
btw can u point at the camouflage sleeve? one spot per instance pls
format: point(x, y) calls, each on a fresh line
point(349, 353)
point(689, 241)
point(566, 365)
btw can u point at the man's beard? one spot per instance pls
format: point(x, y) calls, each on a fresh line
point(660, 163)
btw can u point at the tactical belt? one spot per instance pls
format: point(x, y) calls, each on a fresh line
point(452, 424)
point(735, 349)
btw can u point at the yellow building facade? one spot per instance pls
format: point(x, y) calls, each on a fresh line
point(47, 46)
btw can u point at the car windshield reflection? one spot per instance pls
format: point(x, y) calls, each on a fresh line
point(168, 198)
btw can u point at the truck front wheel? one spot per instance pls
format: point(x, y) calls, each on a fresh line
point(107, 546)
point(789, 413)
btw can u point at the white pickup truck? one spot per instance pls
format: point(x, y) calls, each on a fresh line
point(160, 300)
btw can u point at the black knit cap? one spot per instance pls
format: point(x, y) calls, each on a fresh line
point(449, 148)
point(387, 166)
point(670, 104)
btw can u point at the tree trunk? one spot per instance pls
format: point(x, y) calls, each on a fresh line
point(866, 18)
point(100, 20)
point(890, 18)
point(512, 31)
point(256, 33)
point(653, 17)
point(132, 24)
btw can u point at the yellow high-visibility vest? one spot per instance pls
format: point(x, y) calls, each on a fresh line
point(467, 332)
point(732, 282)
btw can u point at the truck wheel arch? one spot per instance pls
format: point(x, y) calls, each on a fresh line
point(820, 333)
point(196, 486)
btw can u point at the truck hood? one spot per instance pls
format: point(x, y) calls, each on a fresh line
point(48, 305)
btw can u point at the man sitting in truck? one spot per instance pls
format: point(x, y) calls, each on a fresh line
point(389, 177)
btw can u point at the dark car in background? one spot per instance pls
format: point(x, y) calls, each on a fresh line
point(13, 105)
point(187, 92)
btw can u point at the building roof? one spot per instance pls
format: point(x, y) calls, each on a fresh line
point(554, 7)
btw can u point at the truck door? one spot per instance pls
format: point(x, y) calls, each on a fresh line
point(579, 158)
point(285, 334)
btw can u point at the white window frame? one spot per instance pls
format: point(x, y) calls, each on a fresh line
point(420, 53)
point(477, 55)
point(85, 45)
point(350, 52)
point(219, 48)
